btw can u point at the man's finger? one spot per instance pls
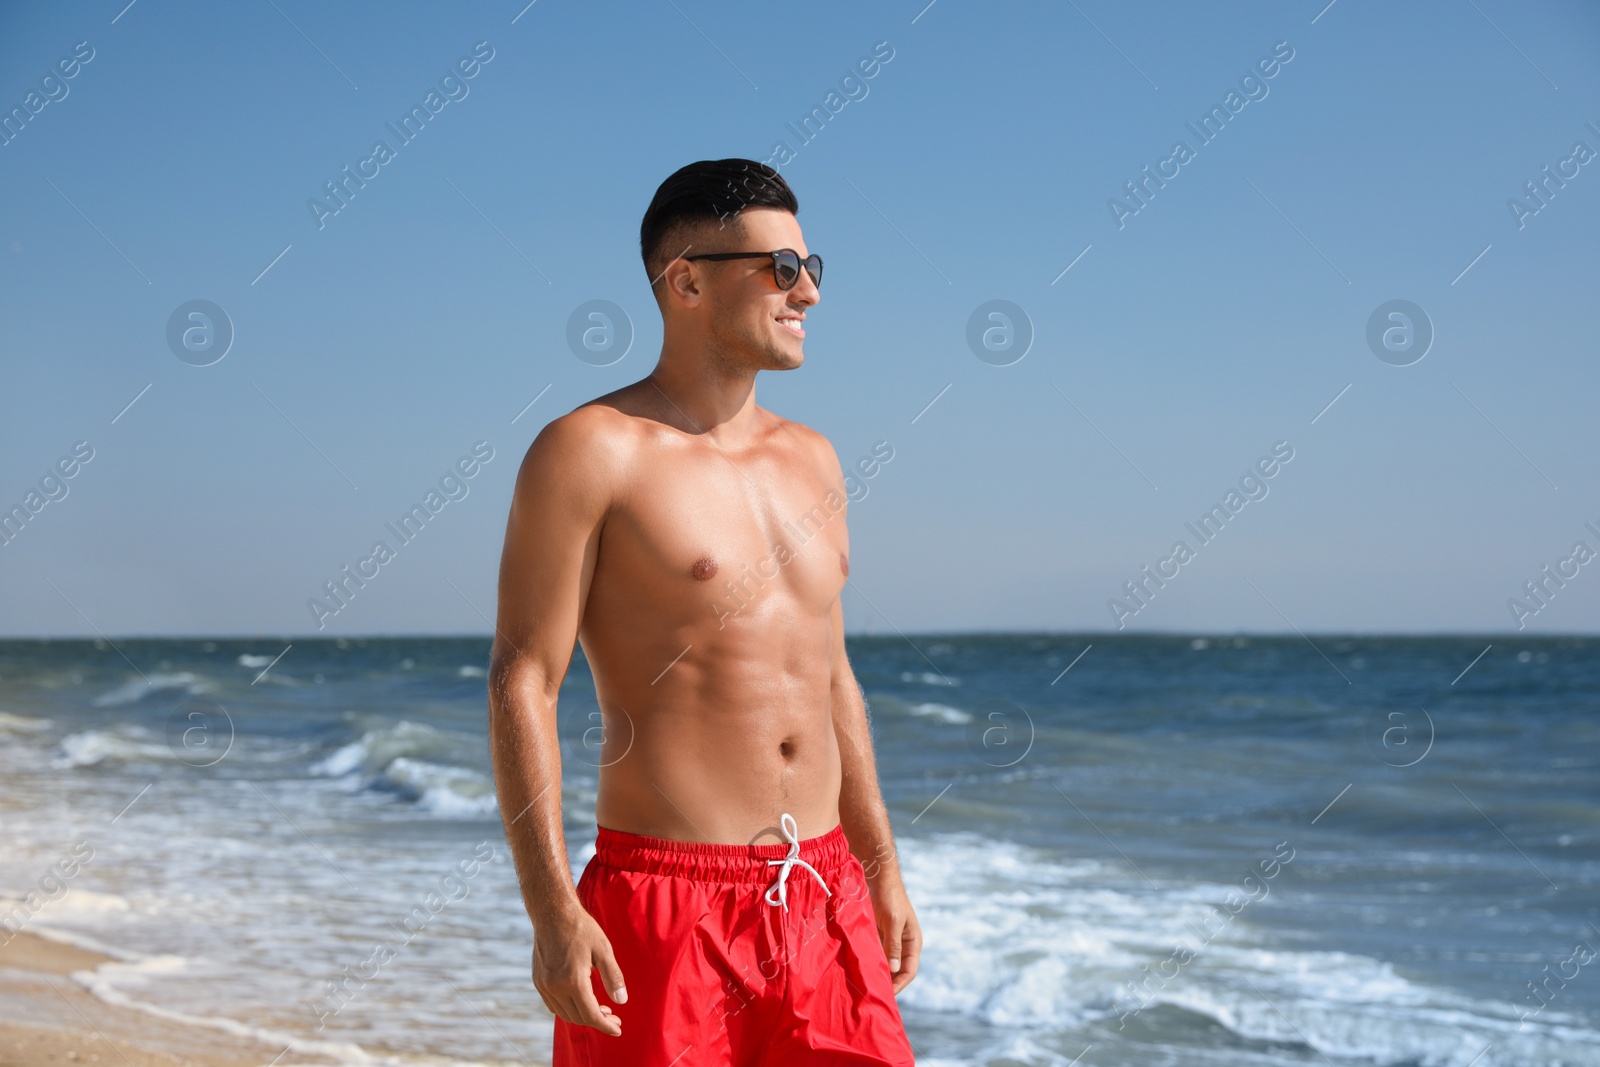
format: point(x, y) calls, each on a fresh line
point(889, 933)
point(910, 954)
point(908, 970)
point(610, 973)
point(589, 1013)
point(574, 1012)
point(566, 1011)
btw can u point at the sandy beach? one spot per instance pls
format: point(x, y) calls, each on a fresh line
point(65, 1025)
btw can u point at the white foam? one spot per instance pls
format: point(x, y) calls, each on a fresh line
point(942, 712)
point(992, 912)
point(247, 660)
point(104, 981)
point(155, 984)
point(1420, 1026)
point(1028, 943)
point(378, 748)
point(96, 746)
point(343, 761)
point(80, 940)
point(392, 758)
point(443, 790)
point(469, 671)
point(146, 983)
point(75, 904)
point(927, 678)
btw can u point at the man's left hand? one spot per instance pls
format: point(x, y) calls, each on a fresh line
point(898, 929)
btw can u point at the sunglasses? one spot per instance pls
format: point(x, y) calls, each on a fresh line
point(786, 264)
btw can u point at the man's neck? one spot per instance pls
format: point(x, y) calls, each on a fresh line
point(702, 400)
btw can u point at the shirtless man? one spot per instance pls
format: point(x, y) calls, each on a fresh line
point(695, 544)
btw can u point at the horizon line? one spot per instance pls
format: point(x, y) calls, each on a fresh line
point(1099, 635)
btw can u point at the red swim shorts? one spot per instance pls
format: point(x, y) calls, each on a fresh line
point(737, 954)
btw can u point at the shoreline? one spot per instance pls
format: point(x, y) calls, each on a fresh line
point(68, 1025)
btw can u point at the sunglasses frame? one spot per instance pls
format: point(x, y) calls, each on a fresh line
point(802, 264)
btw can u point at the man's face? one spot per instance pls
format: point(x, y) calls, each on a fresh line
point(752, 322)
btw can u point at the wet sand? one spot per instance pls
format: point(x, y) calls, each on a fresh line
point(51, 1021)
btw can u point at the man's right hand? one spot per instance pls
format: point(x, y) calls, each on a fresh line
point(567, 946)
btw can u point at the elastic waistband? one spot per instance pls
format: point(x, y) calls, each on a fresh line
point(706, 862)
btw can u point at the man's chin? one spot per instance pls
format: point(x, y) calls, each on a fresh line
point(783, 357)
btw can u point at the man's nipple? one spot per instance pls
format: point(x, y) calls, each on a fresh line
point(844, 564)
point(704, 569)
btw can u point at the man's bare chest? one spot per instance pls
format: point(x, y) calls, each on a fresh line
point(713, 526)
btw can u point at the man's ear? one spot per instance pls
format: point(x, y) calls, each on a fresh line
point(682, 283)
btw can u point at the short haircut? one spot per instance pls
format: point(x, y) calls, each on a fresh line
point(703, 193)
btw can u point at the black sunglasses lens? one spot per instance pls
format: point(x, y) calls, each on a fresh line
point(814, 268)
point(786, 269)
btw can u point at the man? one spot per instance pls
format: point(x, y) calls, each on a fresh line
point(695, 544)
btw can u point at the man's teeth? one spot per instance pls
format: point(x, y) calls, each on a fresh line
point(790, 324)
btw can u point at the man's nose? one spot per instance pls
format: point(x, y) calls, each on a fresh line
point(805, 290)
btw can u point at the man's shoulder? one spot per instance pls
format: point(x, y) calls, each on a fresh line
point(588, 443)
point(604, 423)
point(814, 446)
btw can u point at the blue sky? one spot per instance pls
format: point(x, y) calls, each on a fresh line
point(1185, 341)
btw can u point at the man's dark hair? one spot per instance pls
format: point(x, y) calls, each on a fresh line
point(694, 197)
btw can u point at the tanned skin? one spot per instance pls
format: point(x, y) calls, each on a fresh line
point(721, 709)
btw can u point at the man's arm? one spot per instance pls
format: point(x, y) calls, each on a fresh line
point(861, 810)
point(552, 540)
point(866, 821)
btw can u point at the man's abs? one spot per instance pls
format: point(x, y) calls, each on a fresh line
point(718, 748)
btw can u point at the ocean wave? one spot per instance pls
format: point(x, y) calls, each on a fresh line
point(126, 743)
point(396, 759)
point(1357, 1008)
point(927, 678)
point(1019, 940)
point(1012, 938)
point(130, 692)
point(74, 904)
point(453, 792)
point(470, 671)
point(379, 747)
point(21, 724)
point(942, 712)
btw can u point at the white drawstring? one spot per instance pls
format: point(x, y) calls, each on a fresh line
point(791, 831)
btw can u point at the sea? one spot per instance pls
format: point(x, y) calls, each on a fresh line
point(1123, 850)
